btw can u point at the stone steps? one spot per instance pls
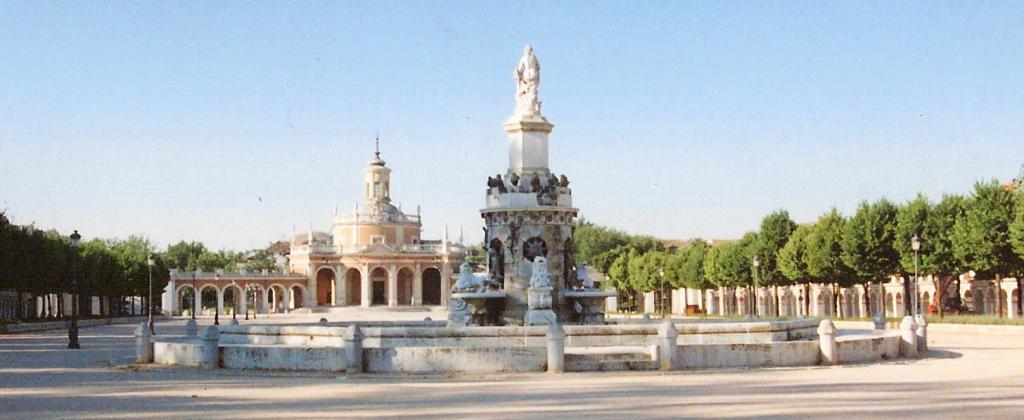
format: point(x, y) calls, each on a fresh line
point(590, 359)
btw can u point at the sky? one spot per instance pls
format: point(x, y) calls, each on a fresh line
point(239, 123)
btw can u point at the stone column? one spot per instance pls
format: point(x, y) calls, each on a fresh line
point(393, 286)
point(143, 343)
point(417, 286)
point(827, 342)
point(169, 299)
point(265, 301)
point(243, 302)
point(353, 349)
point(446, 288)
point(922, 333)
point(668, 346)
point(649, 303)
point(340, 295)
point(220, 300)
point(556, 348)
point(211, 353)
point(721, 300)
point(366, 288)
point(197, 304)
point(908, 337)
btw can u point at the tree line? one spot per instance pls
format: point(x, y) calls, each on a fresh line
point(36, 262)
point(982, 231)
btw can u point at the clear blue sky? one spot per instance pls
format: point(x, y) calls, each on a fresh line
point(230, 123)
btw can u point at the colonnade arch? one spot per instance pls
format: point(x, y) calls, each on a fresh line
point(432, 286)
point(379, 286)
point(326, 295)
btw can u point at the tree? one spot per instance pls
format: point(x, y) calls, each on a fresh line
point(591, 241)
point(981, 238)
point(941, 258)
point(775, 231)
point(1017, 242)
point(793, 256)
point(184, 255)
point(911, 219)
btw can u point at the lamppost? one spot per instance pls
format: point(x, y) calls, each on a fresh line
point(915, 243)
point(195, 293)
point(216, 303)
point(73, 328)
point(757, 263)
point(149, 305)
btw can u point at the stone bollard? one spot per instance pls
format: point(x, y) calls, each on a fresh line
point(191, 329)
point(827, 342)
point(353, 349)
point(668, 345)
point(556, 348)
point(922, 333)
point(908, 334)
point(211, 352)
point(879, 322)
point(143, 344)
point(646, 319)
point(234, 321)
point(323, 322)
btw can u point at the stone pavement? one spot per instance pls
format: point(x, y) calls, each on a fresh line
point(967, 375)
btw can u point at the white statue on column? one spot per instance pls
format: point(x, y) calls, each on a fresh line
point(540, 278)
point(527, 77)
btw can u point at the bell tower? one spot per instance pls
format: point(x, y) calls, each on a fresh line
point(377, 180)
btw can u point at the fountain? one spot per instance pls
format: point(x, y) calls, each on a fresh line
point(532, 277)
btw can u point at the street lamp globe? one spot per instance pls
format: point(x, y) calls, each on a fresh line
point(75, 238)
point(757, 261)
point(915, 243)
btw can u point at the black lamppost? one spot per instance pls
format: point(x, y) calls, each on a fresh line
point(73, 328)
point(757, 263)
point(915, 243)
point(195, 293)
point(216, 304)
point(149, 306)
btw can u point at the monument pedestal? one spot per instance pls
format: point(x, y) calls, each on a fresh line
point(539, 302)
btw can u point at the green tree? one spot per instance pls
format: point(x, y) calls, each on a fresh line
point(981, 238)
point(793, 256)
point(1017, 241)
point(912, 219)
point(184, 255)
point(941, 259)
point(775, 231)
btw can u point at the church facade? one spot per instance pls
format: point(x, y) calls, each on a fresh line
point(373, 256)
point(376, 255)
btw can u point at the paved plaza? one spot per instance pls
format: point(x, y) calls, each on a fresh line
point(966, 375)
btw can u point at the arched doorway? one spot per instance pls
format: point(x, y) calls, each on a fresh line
point(405, 286)
point(208, 299)
point(298, 297)
point(354, 287)
point(254, 296)
point(232, 299)
point(186, 300)
point(431, 286)
point(277, 299)
point(325, 293)
point(496, 261)
point(379, 286)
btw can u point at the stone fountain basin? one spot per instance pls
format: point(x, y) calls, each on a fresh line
point(588, 293)
point(468, 296)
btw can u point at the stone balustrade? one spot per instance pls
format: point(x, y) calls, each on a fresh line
point(428, 349)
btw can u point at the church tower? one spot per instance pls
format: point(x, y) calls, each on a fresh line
point(377, 180)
